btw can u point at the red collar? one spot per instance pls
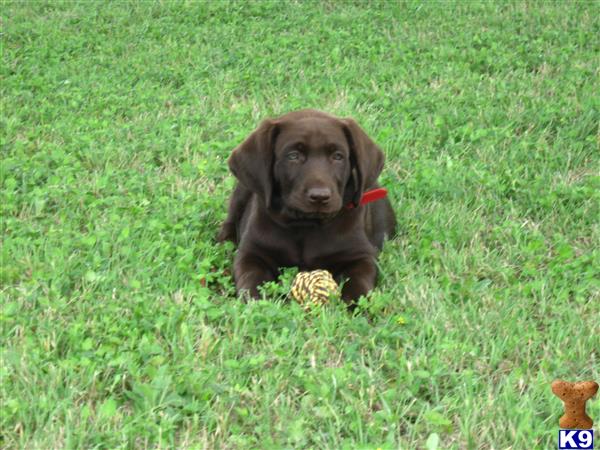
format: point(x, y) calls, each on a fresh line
point(369, 196)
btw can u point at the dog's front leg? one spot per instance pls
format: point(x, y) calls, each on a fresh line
point(249, 272)
point(361, 276)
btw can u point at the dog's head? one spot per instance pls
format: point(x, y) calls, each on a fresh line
point(307, 163)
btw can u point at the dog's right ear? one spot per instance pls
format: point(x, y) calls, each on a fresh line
point(366, 157)
point(252, 161)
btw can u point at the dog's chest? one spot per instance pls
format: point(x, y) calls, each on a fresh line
point(316, 251)
point(312, 248)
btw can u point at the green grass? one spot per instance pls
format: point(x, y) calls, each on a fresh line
point(116, 122)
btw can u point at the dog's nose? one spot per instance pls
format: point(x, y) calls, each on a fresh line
point(319, 195)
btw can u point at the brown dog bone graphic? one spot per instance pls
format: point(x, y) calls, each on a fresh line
point(574, 396)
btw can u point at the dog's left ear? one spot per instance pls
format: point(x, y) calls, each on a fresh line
point(252, 161)
point(366, 158)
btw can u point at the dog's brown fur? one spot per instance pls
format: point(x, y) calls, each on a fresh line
point(296, 175)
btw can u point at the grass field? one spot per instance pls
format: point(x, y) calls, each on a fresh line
point(120, 326)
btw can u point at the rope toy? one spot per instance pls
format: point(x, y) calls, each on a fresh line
point(313, 288)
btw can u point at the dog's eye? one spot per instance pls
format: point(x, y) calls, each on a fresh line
point(338, 156)
point(293, 156)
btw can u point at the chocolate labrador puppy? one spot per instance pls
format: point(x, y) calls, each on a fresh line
point(301, 178)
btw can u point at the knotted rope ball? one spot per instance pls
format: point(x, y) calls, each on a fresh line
point(313, 288)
